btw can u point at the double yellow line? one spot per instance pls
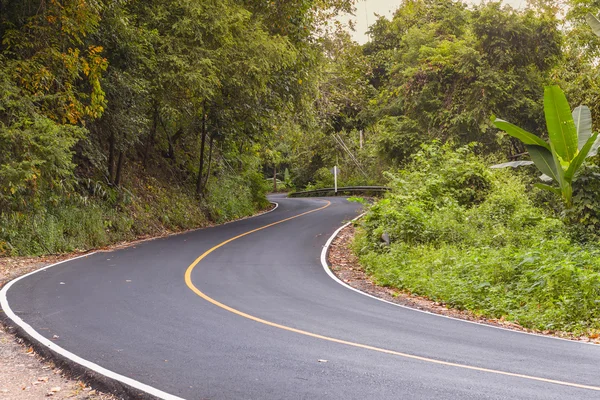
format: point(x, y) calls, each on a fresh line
point(190, 284)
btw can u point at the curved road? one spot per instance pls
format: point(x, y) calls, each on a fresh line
point(131, 311)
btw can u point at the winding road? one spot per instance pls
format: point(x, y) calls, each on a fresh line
point(200, 316)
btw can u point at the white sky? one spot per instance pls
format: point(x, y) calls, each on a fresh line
point(366, 10)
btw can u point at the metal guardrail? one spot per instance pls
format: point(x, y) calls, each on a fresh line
point(342, 191)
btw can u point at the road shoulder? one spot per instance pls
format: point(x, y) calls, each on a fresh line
point(345, 265)
point(30, 371)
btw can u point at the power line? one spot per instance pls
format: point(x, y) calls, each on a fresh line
point(341, 143)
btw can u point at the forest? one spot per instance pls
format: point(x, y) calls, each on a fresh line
point(125, 119)
point(121, 119)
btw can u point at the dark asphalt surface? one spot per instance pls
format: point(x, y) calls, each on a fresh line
point(130, 311)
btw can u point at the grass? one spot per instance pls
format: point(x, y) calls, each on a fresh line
point(145, 206)
point(476, 239)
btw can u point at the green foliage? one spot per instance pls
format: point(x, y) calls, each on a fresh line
point(234, 197)
point(441, 69)
point(571, 142)
point(185, 94)
point(49, 84)
point(97, 215)
point(397, 138)
point(584, 216)
point(496, 254)
point(323, 178)
point(446, 173)
point(61, 228)
point(287, 179)
point(36, 162)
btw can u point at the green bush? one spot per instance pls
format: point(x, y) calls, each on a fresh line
point(584, 216)
point(56, 229)
point(230, 196)
point(100, 215)
point(474, 238)
point(323, 178)
point(397, 138)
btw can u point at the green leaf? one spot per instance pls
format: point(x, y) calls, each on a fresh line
point(566, 189)
point(521, 134)
point(580, 158)
point(593, 23)
point(561, 127)
point(582, 117)
point(595, 147)
point(548, 187)
point(543, 160)
point(513, 164)
point(545, 178)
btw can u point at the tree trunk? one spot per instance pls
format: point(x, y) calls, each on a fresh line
point(120, 168)
point(152, 135)
point(172, 142)
point(111, 158)
point(274, 178)
point(210, 150)
point(202, 144)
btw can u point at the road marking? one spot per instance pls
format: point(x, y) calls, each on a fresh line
point(190, 284)
point(325, 266)
point(67, 354)
point(28, 329)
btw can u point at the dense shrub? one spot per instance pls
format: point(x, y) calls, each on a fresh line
point(233, 196)
point(473, 238)
point(324, 179)
point(584, 216)
point(100, 214)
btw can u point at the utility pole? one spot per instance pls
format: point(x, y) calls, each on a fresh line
point(274, 178)
point(335, 171)
point(361, 138)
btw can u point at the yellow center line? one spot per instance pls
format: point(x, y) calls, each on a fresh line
point(190, 284)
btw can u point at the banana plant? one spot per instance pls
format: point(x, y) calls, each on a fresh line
point(571, 142)
point(593, 23)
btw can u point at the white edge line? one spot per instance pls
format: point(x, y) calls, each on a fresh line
point(67, 354)
point(325, 265)
point(73, 357)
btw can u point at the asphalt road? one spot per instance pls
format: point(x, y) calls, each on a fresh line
point(130, 311)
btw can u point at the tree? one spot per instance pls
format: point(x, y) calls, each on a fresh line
point(441, 70)
point(50, 85)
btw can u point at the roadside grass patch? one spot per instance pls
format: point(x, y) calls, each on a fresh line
point(99, 215)
point(475, 239)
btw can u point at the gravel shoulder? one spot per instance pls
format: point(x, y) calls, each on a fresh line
point(345, 265)
point(24, 375)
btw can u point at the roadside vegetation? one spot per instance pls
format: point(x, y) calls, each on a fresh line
point(132, 118)
point(430, 121)
point(483, 240)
